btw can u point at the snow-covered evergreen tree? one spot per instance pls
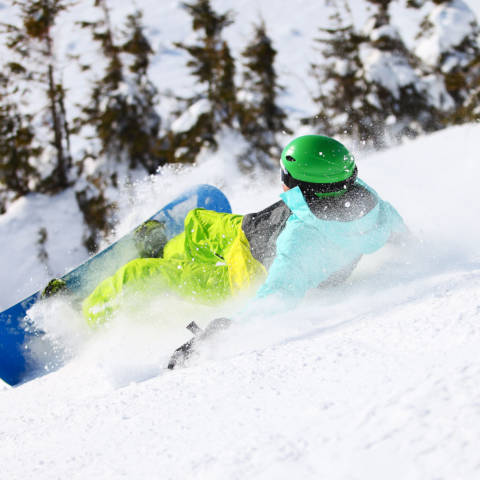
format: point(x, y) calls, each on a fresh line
point(342, 91)
point(393, 87)
point(370, 86)
point(96, 208)
point(471, 111)
point(260, 117)
point(99, 112)
point(449, 45)
point(212, 64)
point(32, 44)
point(122, 116)
point(142, 122)
point(18, 148)
point(122, 109)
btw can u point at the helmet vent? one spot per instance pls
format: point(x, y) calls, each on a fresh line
point(289, 158)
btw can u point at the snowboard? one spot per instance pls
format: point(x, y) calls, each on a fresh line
point(26, 352)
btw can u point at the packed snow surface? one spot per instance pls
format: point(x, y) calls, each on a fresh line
point(376, 379)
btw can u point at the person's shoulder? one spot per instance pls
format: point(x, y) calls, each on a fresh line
point(277, 210)
point(363, 195)
point(357, 202)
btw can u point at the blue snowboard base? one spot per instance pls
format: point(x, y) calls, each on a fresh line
point(26, 351)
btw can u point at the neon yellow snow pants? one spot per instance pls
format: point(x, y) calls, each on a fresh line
point(208, 262)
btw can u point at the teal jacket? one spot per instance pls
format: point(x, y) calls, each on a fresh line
point(309, 250)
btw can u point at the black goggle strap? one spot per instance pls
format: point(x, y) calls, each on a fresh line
point(311, 188)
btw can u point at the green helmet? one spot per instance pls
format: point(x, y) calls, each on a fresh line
point(319, 165)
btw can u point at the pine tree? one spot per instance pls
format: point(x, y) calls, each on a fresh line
point(101, 111)
point(142, 122)
point(97, 211)
point(122, 112)
point(213, 66)
point(260, 118)
point(341, 90)
point(122, 109)
point(393, 84)
point(18, 149)
point(33, 40)
point(471, 110)
point(369, 86)
point(451, 59)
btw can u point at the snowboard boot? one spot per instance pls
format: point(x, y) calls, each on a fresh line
point(54, 287)
point(150, 239)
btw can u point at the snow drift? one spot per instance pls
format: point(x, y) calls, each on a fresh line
point(376, 378)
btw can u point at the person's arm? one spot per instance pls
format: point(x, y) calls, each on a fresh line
point(390, 218)
point(298, 266)
point(399, 232)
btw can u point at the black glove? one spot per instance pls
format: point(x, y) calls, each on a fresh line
point(182, 353)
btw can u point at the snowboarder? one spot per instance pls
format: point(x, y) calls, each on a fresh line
point(326, 220)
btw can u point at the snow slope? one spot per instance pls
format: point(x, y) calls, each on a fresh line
point(376, 379)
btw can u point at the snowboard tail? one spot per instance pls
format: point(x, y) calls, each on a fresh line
point(19, 336)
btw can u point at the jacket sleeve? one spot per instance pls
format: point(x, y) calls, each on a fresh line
point(298, 266)
point(399, 232)
point(389, 218)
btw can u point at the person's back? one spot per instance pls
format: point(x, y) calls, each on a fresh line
point(263, 228)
